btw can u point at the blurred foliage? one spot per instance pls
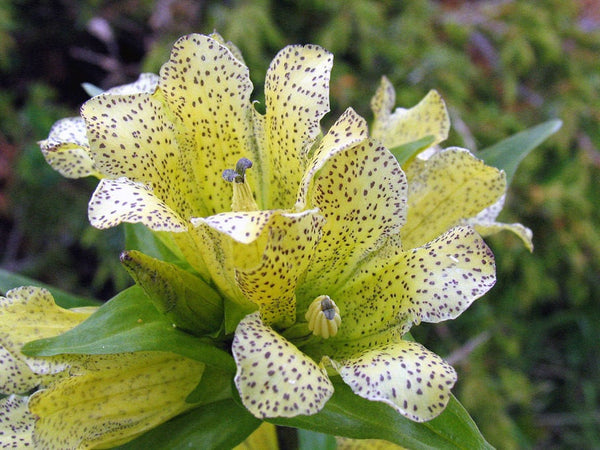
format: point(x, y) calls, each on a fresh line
point(527, 354)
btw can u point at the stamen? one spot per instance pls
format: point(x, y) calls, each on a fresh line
point(243, 200)
point(242, 165)
point(231, 175)
point(323, 317)
point(237, 175)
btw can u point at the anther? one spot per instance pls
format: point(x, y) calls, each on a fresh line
point(323, 317)
point(242, 200)
point(237, 175)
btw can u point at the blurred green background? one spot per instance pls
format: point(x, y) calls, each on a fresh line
point(527, 354)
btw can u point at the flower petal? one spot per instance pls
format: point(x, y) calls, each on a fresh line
point(445, 276)
point(348, 130)
point(114, 399)
point(123, 200)
point(131, 136)
point(450, 186)
point(432, 283)
point(362, 194)
point(16, 423)
point(486, 225)
point(382, 103)
point(490, 228)
point(297, 97)
point(274, 378)
point(15, 374)
point(244, 227)
point(29, 313)
point(428, 117)
point(67, 149)
point(264, 253)
point(146, 83)
point(230, 46)
point(272, 284)
point(218, 257)
point(405, 375)
point(208, 91)
point(229, 240)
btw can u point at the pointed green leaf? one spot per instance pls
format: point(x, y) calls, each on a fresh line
point(219, 425)
point(130, 323)
point(9, 280)
point(406, 151)
point(508, 154)
point(347, 414)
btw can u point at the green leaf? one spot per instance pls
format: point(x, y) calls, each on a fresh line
point(311, 440)
point(215, 385)
point(508, 154)
point(219, 425)
point(347, 414)
point(406, 151)
point(9, 280)
point(129, 322)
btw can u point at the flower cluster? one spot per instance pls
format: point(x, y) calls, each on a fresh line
point(315, 251)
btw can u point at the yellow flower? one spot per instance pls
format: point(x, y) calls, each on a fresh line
point(360, 277)
point(392, 129)
point(162, 150)
point(20, 314)
point(309, 231)
point(82, 401)
point(449, 186)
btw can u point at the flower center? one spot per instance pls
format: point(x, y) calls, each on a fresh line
point(242, 200)
point(323, 317)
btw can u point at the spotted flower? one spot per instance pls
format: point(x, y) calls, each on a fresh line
point(306, 236)
point(476, 192)
point(81, 401)
point(359, 294)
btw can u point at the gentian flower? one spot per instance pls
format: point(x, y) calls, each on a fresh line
point(450, 186)
point(303, 234)
point(81, 401)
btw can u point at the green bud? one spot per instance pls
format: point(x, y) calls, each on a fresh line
point(187, 300)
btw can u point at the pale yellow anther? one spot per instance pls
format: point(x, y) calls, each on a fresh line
point(323, 317)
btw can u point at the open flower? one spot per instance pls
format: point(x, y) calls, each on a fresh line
point(450, 185)
point(360, 293)
point(82, 401)
point(161, 154)
point(306, 236)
